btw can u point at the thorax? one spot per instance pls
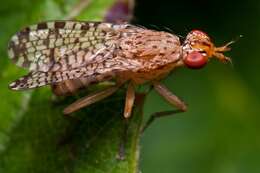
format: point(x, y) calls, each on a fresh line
point(157, 52)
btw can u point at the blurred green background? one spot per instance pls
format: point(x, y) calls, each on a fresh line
point(219, 133)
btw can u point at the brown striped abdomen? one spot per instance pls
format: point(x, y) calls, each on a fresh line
point(70, 87)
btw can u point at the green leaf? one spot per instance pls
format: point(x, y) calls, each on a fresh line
point(46, 141)
point(34, 134)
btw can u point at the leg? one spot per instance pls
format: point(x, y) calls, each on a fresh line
point(158, 115)
point(129, 103)
point(171, 98)
point(129, 100)
point(92, 98)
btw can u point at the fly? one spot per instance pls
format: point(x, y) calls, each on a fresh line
point(70, 55)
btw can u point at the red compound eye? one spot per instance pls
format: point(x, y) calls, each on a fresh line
point(195, 60)
point(198, 32)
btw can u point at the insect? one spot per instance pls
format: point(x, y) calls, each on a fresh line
point(70, 55)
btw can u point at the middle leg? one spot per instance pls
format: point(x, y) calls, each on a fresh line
point(129, 103)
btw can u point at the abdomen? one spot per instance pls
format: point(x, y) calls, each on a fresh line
point(70, 87)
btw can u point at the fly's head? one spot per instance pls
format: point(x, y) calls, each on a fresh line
point(198, 49)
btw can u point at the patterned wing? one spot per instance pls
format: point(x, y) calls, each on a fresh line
point(62, 45)
point(62, 50)
point(91, 72)
point(39, 78)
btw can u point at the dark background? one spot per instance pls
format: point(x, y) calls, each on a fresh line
point(220, 131)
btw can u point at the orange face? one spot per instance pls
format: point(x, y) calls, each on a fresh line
point(198, 49)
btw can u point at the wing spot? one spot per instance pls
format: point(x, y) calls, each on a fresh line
point(59, 24)
point(42, 25)
point(84, 27)
point(25, 31)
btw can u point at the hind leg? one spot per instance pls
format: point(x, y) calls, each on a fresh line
point(171, 98)
point(90, 99)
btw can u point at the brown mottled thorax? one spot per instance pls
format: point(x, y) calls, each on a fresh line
point(157, 52)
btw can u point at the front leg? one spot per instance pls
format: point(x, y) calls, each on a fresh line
point(171, 98)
